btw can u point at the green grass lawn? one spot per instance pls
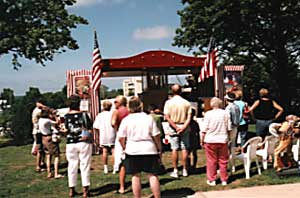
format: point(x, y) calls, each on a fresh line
point(18, 178)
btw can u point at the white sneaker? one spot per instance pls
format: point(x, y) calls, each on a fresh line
point(211, 183)
point(105, 170)
point(174, 174)
point(224, 183)
point(184, 173)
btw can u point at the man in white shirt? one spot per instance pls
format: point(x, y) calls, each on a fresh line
point(37, 136)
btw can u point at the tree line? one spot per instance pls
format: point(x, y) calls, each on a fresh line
point(15, 116)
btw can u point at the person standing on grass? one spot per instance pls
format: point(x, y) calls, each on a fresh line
point(79, 148)
point(243, 124)
point(140, 141)
point(37, 136)
point(51, 148)
point(118, 115)
point(214, 138)
point(234, 113)
point(107, 133)
point(265, 111)
point(178, 113)
point(195, 140)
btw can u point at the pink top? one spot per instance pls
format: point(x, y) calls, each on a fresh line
point(122, 113)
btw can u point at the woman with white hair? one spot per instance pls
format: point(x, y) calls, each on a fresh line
point(140, 140)
point(214, 137)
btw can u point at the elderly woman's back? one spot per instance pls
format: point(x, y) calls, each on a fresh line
point(217, 124)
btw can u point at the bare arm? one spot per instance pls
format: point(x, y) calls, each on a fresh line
point(173, 125)
point(279, 108)
point(157, 142)
point(122, 141)
point(185, 125)
point(256, 103)
point(202, 138)
point(114, 120)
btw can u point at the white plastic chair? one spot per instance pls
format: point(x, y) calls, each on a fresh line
point(295, 150)
point(269, 146)
point(249, 156)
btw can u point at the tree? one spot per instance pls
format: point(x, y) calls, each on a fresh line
point(265, 31)
point(57, 99)
point(8, 94)
point(21, 120)
point(36, 29)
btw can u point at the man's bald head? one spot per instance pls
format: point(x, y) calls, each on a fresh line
point(176, 89)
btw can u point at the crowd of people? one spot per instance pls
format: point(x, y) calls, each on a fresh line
point(135, 136)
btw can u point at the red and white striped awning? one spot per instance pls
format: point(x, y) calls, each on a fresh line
point(234, 67)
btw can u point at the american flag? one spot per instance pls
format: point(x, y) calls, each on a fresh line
point(210, 62)
point(96, 68)
point(96, 81)
point(96, 75)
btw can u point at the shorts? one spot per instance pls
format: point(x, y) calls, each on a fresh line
point(51, 148)
point(181, 141)
point(142, 163)
point(111, 146)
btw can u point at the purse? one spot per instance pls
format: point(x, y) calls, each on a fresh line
point(56, 138)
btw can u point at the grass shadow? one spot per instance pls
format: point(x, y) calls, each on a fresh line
point(180, 192)
point(236, 176)
point(106, 189)
point(198, 171)
point(10, 142)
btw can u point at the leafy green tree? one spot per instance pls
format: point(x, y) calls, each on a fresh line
point(55, 100)
point(36, 29)
point(6, 113)
point(21, 121)
point(8, 94)
point(103, 91)
point(266, 31)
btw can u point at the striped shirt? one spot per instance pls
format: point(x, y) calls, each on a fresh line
point(216, 125)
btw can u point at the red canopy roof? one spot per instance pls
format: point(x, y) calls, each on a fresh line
point(154, 60)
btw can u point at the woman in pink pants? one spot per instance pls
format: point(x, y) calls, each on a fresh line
point(214, 137)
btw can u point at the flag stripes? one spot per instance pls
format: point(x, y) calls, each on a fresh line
point(210, 62)
point(234, 67)
point(71, 74)
point(210, 65)
point(96, 81)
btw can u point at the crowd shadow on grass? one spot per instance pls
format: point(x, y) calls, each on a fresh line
point(107, 189)
point(179, 192)
point(198, 171)
point(9, 143)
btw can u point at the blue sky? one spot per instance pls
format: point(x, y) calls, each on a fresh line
point(124, 28)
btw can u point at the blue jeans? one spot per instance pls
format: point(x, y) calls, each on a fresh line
point(243, 131)
point(262, 127)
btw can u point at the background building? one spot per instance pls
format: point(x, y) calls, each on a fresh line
point(132, 86)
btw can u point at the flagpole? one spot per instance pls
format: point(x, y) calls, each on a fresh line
point(96, 81)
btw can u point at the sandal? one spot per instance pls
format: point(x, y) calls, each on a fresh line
point(38, 170)
point(120, 192)
point(86, 192)
point(59, 176)
point(72, 192)
point(49, 175)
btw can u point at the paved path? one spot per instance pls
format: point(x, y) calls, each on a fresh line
point(272, 191)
